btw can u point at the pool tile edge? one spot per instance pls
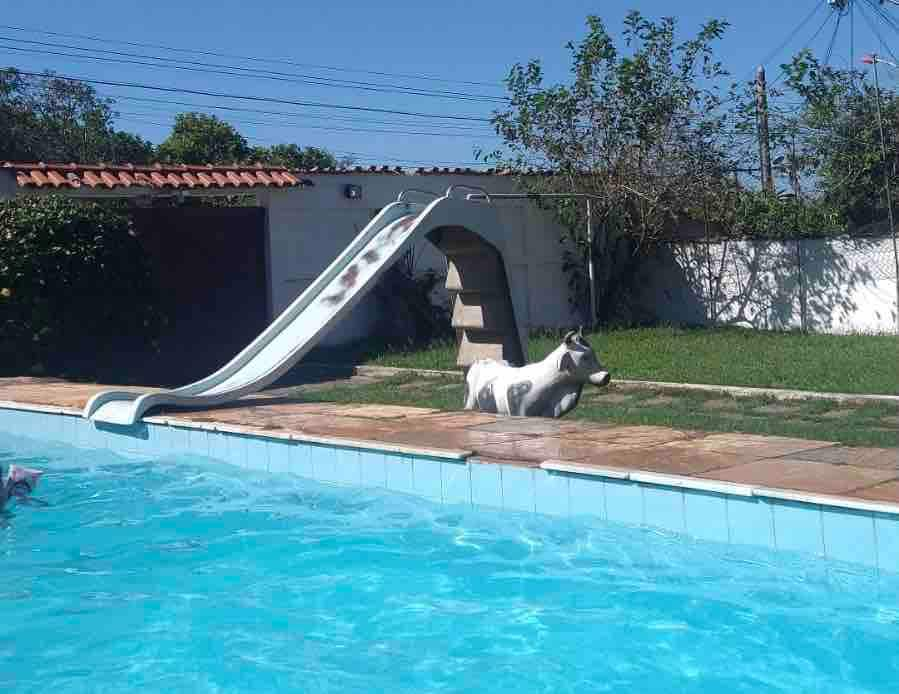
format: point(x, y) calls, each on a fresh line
point(556, 487)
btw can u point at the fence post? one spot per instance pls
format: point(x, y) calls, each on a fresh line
point(711, 307)
point(803, 325)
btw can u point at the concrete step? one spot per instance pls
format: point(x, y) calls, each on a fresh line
point(474, 273)
point(482, 311)
point(481, 344)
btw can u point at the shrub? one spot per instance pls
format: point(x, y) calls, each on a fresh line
point(409, 315)
point(75, 284)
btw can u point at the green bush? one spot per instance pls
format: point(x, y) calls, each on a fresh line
point(75, 285)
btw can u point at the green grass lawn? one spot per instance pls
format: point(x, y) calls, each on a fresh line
point(872, 424)
point(718, 356)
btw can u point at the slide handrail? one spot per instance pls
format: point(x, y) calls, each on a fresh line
point(449, 191)
point(402, 196)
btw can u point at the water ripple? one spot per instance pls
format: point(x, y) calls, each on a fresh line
point(189, 576)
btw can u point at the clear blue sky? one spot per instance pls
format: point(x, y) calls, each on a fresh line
point(463, 41)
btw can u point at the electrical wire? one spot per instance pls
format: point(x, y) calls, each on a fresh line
point(231, 56)
point(247, 97)
point(193, 107)
point(877, 33)
point(329, 128)
point(239, 71)
point(817, 5)
point(833, 37)
point(808, 43)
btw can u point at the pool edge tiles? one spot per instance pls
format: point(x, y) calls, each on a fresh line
point(843, 529)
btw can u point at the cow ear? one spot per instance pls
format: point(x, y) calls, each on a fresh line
point(566, 363)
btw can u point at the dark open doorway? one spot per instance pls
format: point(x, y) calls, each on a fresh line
point(210, 268)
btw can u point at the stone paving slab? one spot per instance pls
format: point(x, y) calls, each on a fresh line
point(668, 458)
point(754, 445)
point(886, 458)
point(886, 491)
point(817, 478)
point(816, 467)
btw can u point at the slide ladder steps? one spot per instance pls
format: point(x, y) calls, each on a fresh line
point(482, 308)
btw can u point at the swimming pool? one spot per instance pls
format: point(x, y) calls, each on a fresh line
point(185, 574)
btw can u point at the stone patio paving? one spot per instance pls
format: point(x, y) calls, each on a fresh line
point(817, 467)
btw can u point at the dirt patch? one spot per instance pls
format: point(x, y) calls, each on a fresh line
point(837, 414)
point(777, 409)
point(416, 385)
point(720, 405)
point(657, 401)
point(611, 398)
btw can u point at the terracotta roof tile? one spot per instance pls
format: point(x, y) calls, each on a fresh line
point(110, 180)
point(56, 179)
point(179, 176)
point(89, 177)
point(158, 176)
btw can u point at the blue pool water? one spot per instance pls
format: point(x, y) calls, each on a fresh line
point(181, 575)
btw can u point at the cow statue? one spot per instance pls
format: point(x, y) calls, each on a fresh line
point(549, 388)
point(17, 484)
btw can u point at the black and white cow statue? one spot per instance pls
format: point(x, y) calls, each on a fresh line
point(549, 388)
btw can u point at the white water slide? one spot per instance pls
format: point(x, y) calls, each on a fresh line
point(325, 302)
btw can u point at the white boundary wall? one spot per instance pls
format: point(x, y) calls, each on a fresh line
point(836, 286)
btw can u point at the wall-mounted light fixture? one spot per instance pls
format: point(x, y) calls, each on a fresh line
point(352, 192)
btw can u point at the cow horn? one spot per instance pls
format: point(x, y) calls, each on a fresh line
point(569, 336)
point(580, 331)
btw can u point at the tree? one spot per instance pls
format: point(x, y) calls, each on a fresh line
point(294, 157)
point(52, 119)
point(198, 138)
point(836, 128)
point(642, 130)
point(74, 283)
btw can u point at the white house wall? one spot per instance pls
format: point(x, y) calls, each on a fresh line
point(307, 228)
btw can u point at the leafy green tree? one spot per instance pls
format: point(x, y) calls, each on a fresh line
point(642, 129)
point(51, 119)
point(294, 157)
point(125, 148)
point(199, 138)
point(838, 139)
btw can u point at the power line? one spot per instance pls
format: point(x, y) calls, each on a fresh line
point(808, 43)
point(274, 61)
point(362, 156)
point(889, 20)
point(246, 97)
point(833, 37)
point(817, 5)
point(240, 71)
point(292, 114)
point(331, 128)
point(877, 33)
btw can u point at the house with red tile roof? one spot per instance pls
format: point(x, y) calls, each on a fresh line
point(302, 220)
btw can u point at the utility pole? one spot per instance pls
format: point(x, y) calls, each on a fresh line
point(873, 60)
point(761, 105)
